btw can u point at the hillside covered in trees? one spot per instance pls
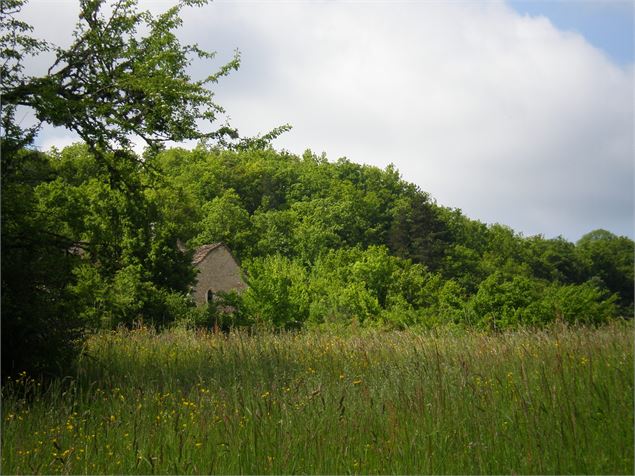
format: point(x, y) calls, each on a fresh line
point(320, 243)
point(89, 233)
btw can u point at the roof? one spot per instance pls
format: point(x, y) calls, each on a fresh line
point(202, 251)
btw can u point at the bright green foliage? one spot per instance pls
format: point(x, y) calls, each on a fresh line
point(316, 249)
point(302, 248)
point(277, 294)
point(375, 268)
point(585, 303)
point(449, 303)
point(373, 248)
point(225, 220)
point(273, 232)
point(319, 227)
point(503, 302)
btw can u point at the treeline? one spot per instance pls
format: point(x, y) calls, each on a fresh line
point(90, 243)
point(340, 242)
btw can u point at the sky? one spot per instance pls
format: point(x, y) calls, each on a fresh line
point(517, 112)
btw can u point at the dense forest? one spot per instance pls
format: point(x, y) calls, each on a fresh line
point(320, 243)
point(90, 232)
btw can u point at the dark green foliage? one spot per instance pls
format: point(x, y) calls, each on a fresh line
point(609, 258)
point(416, 231)
point(36, 269)
point(124, 75)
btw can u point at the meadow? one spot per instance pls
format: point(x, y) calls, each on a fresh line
point(558, 400)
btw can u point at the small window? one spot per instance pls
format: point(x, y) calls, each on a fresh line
point(210, 295)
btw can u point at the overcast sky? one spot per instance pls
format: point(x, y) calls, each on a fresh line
point(518, 113)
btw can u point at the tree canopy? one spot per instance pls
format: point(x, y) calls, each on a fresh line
point(125, 76)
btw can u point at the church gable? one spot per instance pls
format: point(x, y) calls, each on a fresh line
point(218, 271)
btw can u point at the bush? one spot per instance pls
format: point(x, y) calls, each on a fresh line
point(508, 302)
point(353, 303)
point(224, 313)
point(277, 293)
point(585, 303)
point(502, 302)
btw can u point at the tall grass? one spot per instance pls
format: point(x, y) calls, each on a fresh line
point(554, 401)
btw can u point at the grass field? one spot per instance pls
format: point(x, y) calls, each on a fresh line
point(554, 401)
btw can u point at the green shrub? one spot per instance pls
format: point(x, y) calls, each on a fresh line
point(352, 303)
point(502, 302)
point(277, 293)
point(584, 303)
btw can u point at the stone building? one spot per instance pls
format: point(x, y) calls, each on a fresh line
point(218, 271)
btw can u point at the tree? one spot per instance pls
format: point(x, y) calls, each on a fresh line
point(277, 294)
point(111, 85)
point(225, 220)
point(610, 258)
point(417, 231)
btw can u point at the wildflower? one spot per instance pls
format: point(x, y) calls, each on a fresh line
point(357, 382)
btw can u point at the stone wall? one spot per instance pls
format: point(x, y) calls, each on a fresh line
point(218, 271)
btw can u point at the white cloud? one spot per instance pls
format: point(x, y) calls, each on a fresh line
point(499, 114)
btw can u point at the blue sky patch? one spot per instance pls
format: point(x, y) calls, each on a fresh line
point(607, 25)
